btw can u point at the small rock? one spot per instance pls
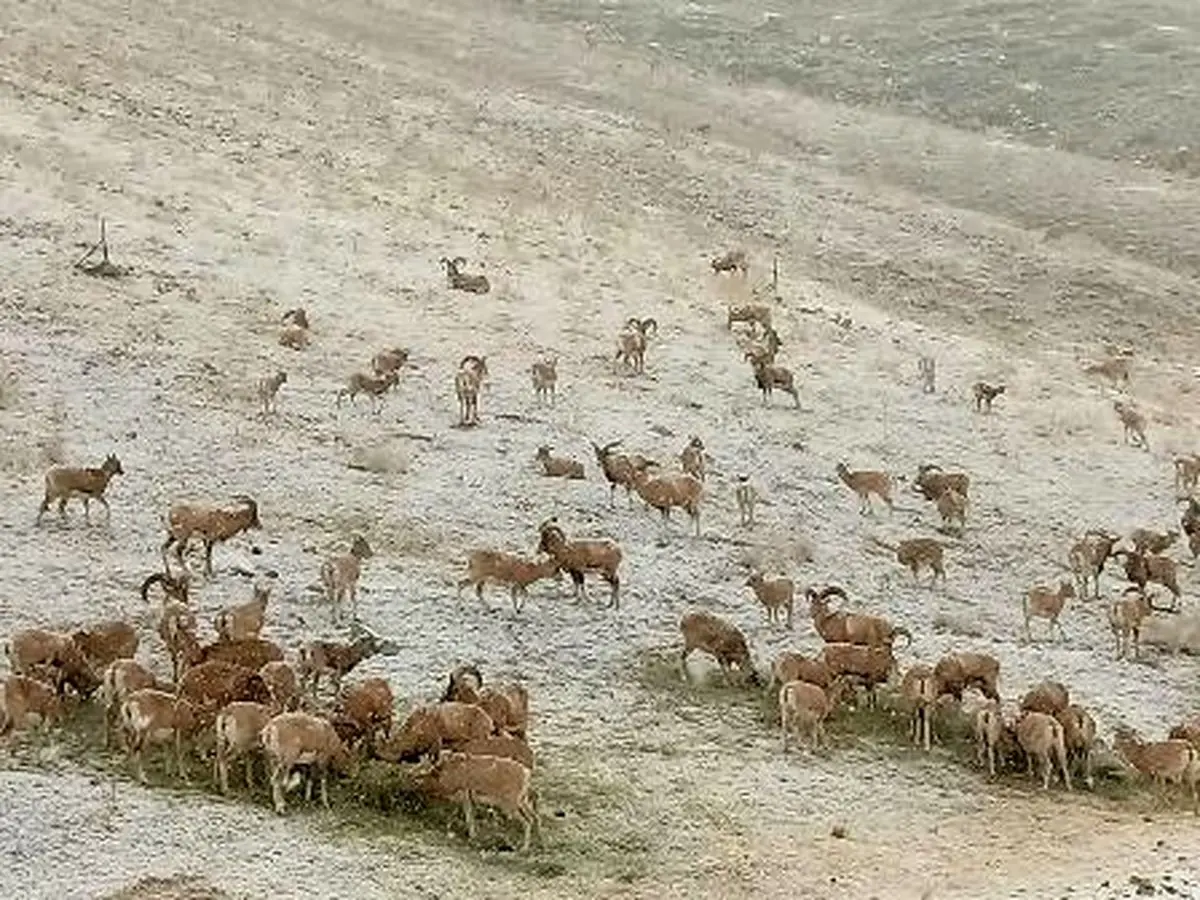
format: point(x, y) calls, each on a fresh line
point(838, 831)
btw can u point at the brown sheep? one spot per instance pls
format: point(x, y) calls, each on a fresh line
point(121, 678)
point(868, 666)
point(1049, 697)
point(958, 671)
point(864, 483)
point(918, 553)
point(1041, 737)
point(105, 642)
point(152, 716)
point(238, 727)
point(490, 780)
point(545, 379)
point(1079, 736)
point(252, 653)
point(340, 574)
point(776, 596)
point(668, 491)
point(931, 482)
point(919, 690)
point(428, 729)
point(1042, 603)
point(65, 482)
point(282, 683)
point(245, 620)
point(507, 704)
point(618, 469)
point(364, 712)
point(37, 652)
point(211, 686)
point(502, 746)
point(22, 697)
point(212, 525)
point(1172, 760)
point(1087, 558)
point(293, 739)
point(790, 666)
point(506, 569)
point(704, 631)
point(850, 628)
point(768, 377)
point(333, 659)
point(805, 707)
point(559, 466)
point(581, 556)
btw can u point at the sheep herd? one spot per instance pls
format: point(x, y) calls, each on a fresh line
point(237, 698)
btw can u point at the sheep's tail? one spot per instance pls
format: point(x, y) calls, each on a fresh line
point(900, 629)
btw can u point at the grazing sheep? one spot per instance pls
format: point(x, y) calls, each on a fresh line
point(293, 739)
point(467, 383)
point(804, 707)
point(919, 690)
point(1041, 737)
point(252, 653)
point(238, 727)
point(211, 686)
point(490, 780)
point(245, 620)
point(704, 631)
point(768, 377)
point(1087, 558)
point(282, 684)
point(374, 386)
point(746, 496)
point(506, 704)
point(1169, 761)
point(459, 281)
point(984, 395)
point(776, 596)
point(54, 657)
point(691, 458)
point(850, 628)
point(545, 379)
point(339, 575)
point(335, 660)
point(508, 569)
point(1042, 603)
point(864, 483)
point(931, 482)
point(22, 697)
point(581, 556)
point(1079, 736)
point(632, 343)
point(731, 261)
point(790, 666)
point(1134, 424)
point(864, 665)
point(363, 713)
point(956, 672)
point(65, 482)
point(668, 491)
point(267, 388)
point(151, 716)
point(105, 642)
point(502, 746)
point(1049, 697)
point(392, 359)
point(121, 678)
point(428, 729)
point(211, 524)
point(558, 466)
point(993, 734)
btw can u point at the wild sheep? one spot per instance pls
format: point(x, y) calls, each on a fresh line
point(459, 281)
point(53, 656)
point(238, 727)
point(298, 316)
point(516, 572)
point(282, 684)
point(918, 553)
point(581, 556)
point(864, 483)
point(1134, 424)
point(1115, 369)
point(790, 666)
point(545, 379)
point(919, 690)
point(867, 666)
point(1146, 541)
point(764, 347)
point(177, 628)
point(731, 261)
point(1187, 731)
point(502, 746)
point(1049, 697)
point(363, 713)
point(984, 395)
point(850, 628)
point(1079, 736)
point(668, 491)
point(120, 679)
point(295, 332)
point(956, 672)
point(1169, 761)
point(293, 739)
point(753, 312)
point(266, 390)
point(691, 458)
point(175, 587)
point(374, 386)
point(727, 644)
point(252, 653)
point(1087, 558)
point(210, 686)
point(428, 729)
point(776, 596)
point(558, 466)
point(747, 497)
point(212, 524)
point(340, 573)
point(105, 642)
point(931, 482)
point(489, 780)
point(22, 697)
point(335, 660)
point(804, 707)
point(1042, 603)
point(619, 469)
point(392, 359)
point(768, 377)
point(506, 704)
point(65, 482)
point(1041, 737)
point(1125, 618)
point(1187, 474)
point(993, 734)
point(632, 343)
point(150, 716)
point(952, 507)
point(245, 620)
point(467, 383)
point(1143, 568)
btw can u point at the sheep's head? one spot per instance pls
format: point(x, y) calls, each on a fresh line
point(463, 680)
point(551, 536)
point(543, 453)
point(251, 509)
point(360, 548)
point(112, 466)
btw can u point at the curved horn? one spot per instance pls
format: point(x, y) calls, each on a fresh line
point(648, 324)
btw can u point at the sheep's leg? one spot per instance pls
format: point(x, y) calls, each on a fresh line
point(87, 508)
point(278, 774)
point(324, 786)
point(107, 512)
point(469, 815)
point(62, 508)
point(221, 766)
point(250, 771)
point(179, 757)
point(683, 664)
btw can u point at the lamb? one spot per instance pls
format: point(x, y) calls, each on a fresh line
point(753, 312)
point(1042, 603)
point(267, 388)
point(490, 780)
point(1146, 541)
point(1049, 697)
point(121, 678)
point(1172, 760)
point(805, 707)
point(581, 556)
point(1079, 736)
point(467, 383)
point(374, 386)
point(958, 671)
point(1041, 737)
point(864, 483)
point(22, 697)
point(1115, 369)
point(545, 379)
point(508, 569)
point(213, 525)
point(392, 359)
point(668, 491)
point(794, 667)
point(919, 689)
point(55, 656)
point(731, 261)
point(1125, 618)
point(319, 658)
point(632, 343)
point(768, 377)
point(151, 716)
point(282, 684)
point(295, 332)
point(917, 553)
point(211, 686)
point(506, 704)
point(1143, 568)
point(363, 712)
point(558, 466)
point(175, 587)
point(458, 281)
point(1087, 558)
point(1187, 474)
point(1134, 424)
point(105, 642)
point(245, 620)
point(850, 628)
point(868, 666)
point(691, 458)
point(293, 739)
point(931, 482)
point(339, 574)
point(619, 469)
point(776, 596)
point(238, 727)
point(984, 395)
point(993, 735)
point(747, 497)
point(428, 729)
point(65, 482)
point(704, 631)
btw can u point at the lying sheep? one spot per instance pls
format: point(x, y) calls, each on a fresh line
point(293, 739)
point(704, 631)
point(558, 466)
point(1041, 737)
point(490, 780)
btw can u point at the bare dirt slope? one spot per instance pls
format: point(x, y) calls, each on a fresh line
point(253, 158)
